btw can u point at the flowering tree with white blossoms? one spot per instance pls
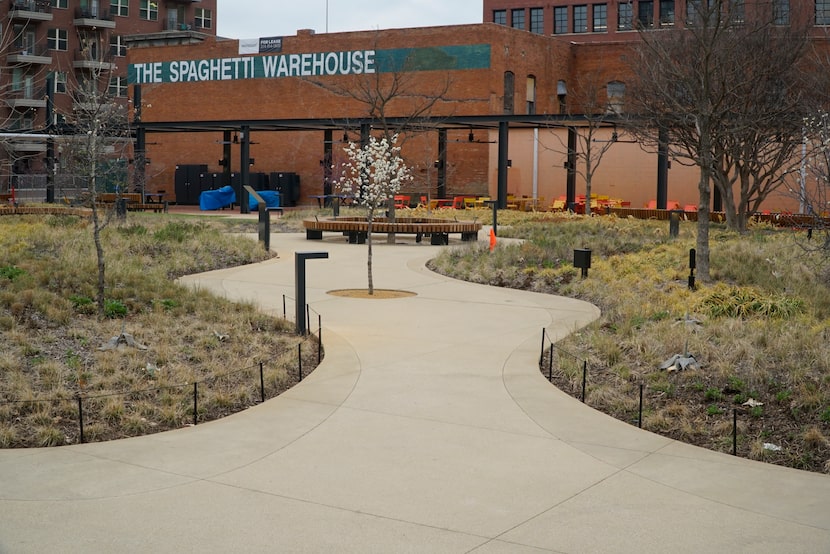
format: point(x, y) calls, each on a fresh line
point(814, 190)
point(373, 174)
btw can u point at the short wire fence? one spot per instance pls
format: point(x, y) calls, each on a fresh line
point(164, 406)
point(555, 358)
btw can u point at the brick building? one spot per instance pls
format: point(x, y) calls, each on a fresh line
point(65, 42)
point(302, 100)
point(615, 21)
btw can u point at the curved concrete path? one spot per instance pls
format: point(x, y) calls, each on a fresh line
point(427, 428)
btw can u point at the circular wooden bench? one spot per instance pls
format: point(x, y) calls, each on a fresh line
point(357, 228)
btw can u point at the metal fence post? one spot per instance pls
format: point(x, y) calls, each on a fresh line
point(584, 378)
point(261, 383)
point(81, 417)
point(195, 401)
point(300, 360)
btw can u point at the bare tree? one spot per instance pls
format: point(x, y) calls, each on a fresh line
point(597, 102)
point(706, 87)
point(814, 190)
point(97, 149)
point(396, 99)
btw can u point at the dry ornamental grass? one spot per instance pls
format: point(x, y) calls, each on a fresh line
point(51, 339)
point(759, 331)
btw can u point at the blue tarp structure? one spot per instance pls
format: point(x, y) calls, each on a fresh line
point(271, 197)
point(216, 199)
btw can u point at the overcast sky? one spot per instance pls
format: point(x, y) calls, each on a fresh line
point(265, 18)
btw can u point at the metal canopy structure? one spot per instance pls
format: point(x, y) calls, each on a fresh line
point(488, 122)
point(440, 124)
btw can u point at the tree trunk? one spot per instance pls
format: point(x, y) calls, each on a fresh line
point(704, 192)
point(369, 217)
point(99, 251)
point(390, 237)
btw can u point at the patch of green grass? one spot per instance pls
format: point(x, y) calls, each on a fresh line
point(713, 394)
point(11, 272)
point(114, 309)
point(714, 410)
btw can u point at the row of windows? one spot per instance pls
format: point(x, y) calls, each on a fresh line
point(517, 19)
point(58, 39)
point(147, 9)
point(639, 13)
point(23, 82)
point(615, 91)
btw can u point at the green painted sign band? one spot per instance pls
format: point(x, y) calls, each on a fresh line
point(316, 64)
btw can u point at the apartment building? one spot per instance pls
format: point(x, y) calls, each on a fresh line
point(67, 42)
point(606, 21)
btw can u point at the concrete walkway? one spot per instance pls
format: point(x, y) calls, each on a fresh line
point(427, 428)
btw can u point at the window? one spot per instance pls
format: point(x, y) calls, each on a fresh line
point(500, 17)
point(560, 20)
point(60, 4)
point(580, 19)
point(625, 16)
point(531, 95)
point(59, 78)
point(23, 122)
point(57, 39)
point(781, 12)
point(616, 92)
point(693, 11)
point(738, 12)
point(509, 91)
point(149, 10)
point(645, 13)
point(600, 18)
point(118, 87)
point(17, 79)
point(822, 12)
point(666, 13)
point(120, 7)
point(203, 18)
point(537, 20)
point(118, 48)
point(517, 19)
point(562, 95)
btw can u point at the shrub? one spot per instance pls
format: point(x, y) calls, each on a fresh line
point(114, 309)
point(11, 272)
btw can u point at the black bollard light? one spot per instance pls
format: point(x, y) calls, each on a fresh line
point(582, 260)
point(692, 265)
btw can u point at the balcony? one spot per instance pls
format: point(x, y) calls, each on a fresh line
point(22, 100)
point(29, 147)
point(98, 18)
point(175, 25)
point(83, 60)
point(20, 54)
point(31, 10)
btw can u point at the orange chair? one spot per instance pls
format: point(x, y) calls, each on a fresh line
point(402, 201)
point(458, 203)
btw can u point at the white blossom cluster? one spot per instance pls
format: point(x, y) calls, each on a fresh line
point(375, 173)
point(817, 133)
